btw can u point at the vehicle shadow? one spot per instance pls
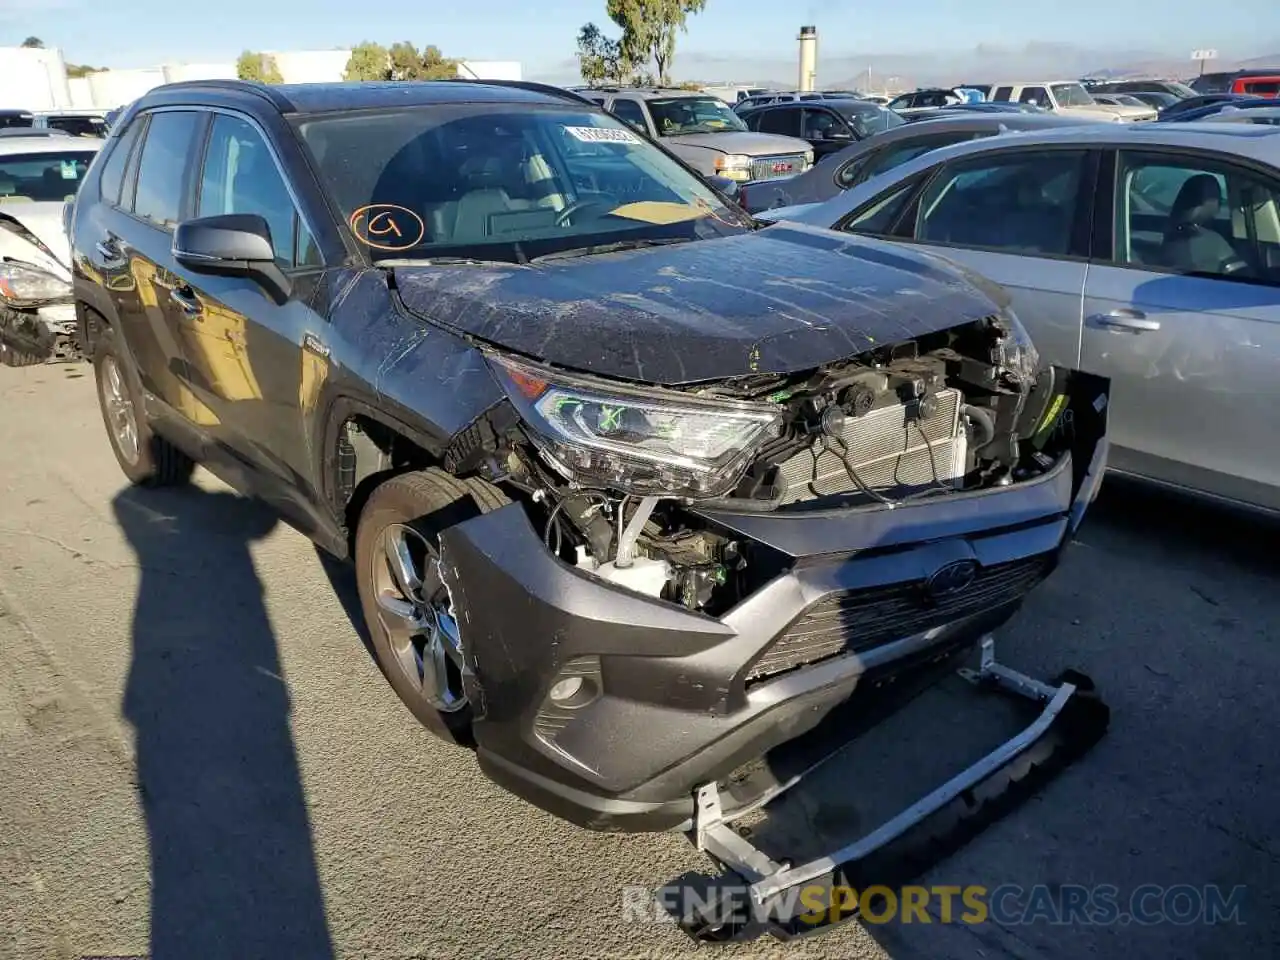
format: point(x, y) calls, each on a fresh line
point(232, 863)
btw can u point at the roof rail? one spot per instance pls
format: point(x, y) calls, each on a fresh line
point(546, 88)
point(278, 99)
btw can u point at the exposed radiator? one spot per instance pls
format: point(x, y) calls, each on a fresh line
point(887, 450)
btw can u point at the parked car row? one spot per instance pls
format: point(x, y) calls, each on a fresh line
point(80, 123)
point(1146, 253)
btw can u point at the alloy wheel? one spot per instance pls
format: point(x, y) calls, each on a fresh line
point(414, 612)
point(119, 408)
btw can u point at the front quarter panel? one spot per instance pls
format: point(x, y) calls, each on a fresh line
point(417, 375)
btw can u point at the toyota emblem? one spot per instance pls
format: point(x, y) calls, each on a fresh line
point(951, 579)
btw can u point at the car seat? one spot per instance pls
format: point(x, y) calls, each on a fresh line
point(1190, 242)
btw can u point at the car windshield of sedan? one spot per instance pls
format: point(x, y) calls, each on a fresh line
point(498, 182)
point(681, 115)
point(1071, 95)
point(868, 119)
point(42, 177)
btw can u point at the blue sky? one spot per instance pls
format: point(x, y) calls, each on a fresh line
point(541, 34)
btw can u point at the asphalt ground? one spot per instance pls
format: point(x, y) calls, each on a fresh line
point(199, 759)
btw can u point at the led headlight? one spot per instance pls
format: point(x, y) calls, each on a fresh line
point(22, 286)
point(648, 442)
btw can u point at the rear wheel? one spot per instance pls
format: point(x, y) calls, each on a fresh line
point(146, 458)
point(406, 607)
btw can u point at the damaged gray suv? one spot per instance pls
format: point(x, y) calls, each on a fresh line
point(634, 489)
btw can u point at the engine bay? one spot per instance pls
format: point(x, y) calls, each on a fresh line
point(963, 409)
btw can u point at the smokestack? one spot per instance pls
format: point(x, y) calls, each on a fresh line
point(808, 57)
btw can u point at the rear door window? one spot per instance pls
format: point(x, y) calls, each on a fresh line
point(1037, 95)
point(1262, 88)
point(784, 122)
point(631, 113)
point(1002, 94)
point(113, 170)
point(162, 168)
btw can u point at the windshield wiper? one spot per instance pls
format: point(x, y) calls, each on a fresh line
point(441, 262)
point(610, 248)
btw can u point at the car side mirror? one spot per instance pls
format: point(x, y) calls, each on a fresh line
point(730, 188)
point(838, 135)
point(232, 245)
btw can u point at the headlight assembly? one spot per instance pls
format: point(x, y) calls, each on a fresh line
point(647, 442)
point(1018, 354)
point(23, 286)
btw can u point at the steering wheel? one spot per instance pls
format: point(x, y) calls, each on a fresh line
point(569, 212)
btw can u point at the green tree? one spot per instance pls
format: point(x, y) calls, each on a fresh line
point(368, 61)
point(406, 61)
point(33, 43)
point(600, 58)
point(649, 29)
point(436, 66)
point(259, 67)
point(75, 70)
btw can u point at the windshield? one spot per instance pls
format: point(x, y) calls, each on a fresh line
point(869, 118)
point(505, 182)
point(43, 177)
point(1180, 89)
point(693, 115)
point(1071, 95)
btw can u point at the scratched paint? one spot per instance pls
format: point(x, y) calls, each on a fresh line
point(780, 300)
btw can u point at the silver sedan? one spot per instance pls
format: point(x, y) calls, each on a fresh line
point(1148, 253)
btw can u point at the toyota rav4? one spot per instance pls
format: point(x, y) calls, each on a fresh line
point(634, 489)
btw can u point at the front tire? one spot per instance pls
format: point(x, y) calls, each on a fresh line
point(405, 605)
point(147, 459)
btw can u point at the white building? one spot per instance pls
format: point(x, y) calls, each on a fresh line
point(37, 79)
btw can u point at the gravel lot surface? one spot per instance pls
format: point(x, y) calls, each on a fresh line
point(199, 759)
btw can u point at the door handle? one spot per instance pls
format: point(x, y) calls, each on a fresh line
point(186, 300)
point(1129, 321)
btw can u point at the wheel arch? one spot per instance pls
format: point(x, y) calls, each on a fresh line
point(363, 446)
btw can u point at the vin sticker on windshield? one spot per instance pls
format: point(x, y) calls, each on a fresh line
point(602, 135)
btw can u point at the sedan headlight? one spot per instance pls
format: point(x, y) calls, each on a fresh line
point(647, 442)
point(733, 166)
point(23, 286)
point(1017, 353)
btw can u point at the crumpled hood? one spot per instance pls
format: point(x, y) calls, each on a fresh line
point(44, 221)
point(780, 300)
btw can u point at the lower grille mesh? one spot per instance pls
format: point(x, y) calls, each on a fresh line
point(862, 619)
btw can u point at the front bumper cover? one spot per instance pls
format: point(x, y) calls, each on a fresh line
point(673, 708)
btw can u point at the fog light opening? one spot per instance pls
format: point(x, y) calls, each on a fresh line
point(573, 692)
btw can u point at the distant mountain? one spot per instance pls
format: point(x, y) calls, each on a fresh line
point(985, 63)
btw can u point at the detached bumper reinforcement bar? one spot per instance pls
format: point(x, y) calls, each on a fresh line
point(1071, 721)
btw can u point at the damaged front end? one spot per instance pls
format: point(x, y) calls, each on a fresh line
point(692, 576)
point(37, 313)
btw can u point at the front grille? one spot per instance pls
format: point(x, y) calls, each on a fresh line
point(770, 168)
point(859, 620)
point(887, 450)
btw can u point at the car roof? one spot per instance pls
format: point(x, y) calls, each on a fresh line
point(1032, 83)
point(39, 144)
point(654, 93)
point(1256, 141)
point(326, 97)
